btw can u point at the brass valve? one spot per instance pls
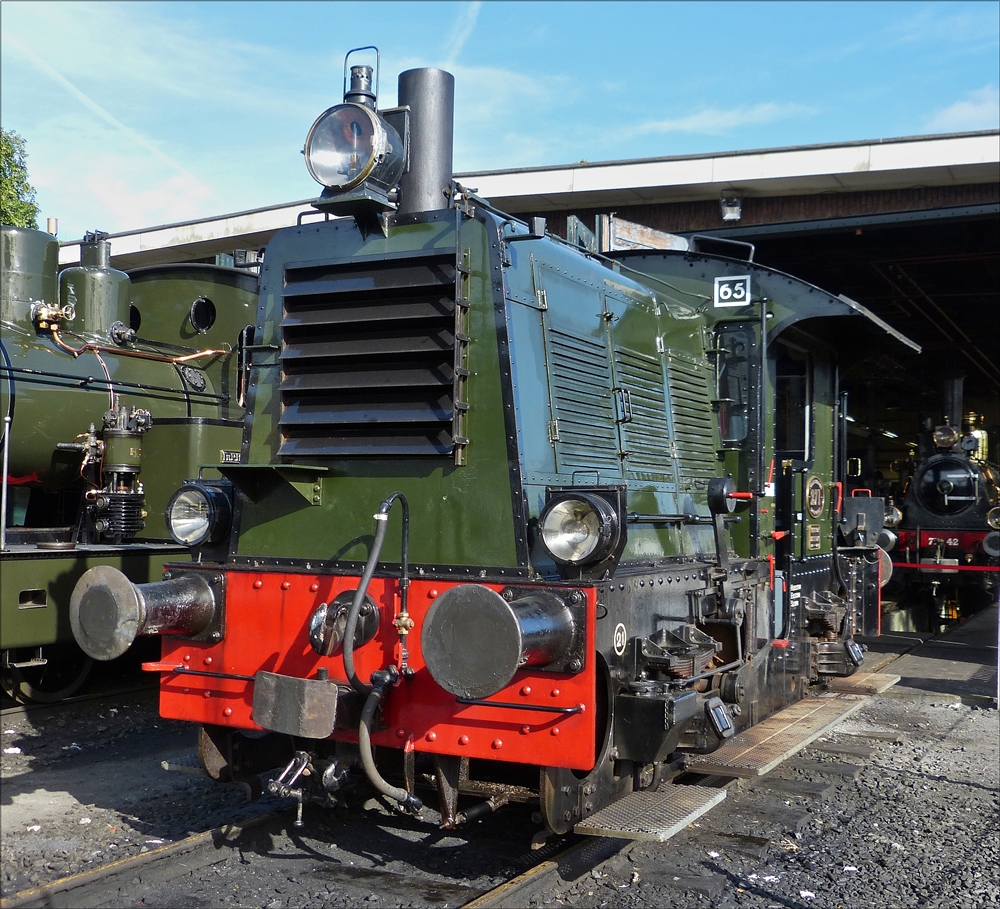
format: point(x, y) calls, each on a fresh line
point(48, 315)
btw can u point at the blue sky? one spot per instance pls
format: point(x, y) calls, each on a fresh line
point(138, 114)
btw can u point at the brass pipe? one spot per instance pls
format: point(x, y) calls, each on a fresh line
point(126, 352)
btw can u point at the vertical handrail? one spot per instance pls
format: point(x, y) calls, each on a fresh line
point(3, 492)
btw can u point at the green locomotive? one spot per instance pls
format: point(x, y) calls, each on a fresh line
point(114, 389)
point(608, 526)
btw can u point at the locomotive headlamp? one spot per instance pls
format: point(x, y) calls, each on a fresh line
point(344, 145)
point(893, 516)
point(578, 528)
point(945, 436)
point(993, 518)
point(198, 513)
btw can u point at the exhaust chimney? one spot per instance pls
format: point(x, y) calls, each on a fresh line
point(952, 401)
point(430, 94)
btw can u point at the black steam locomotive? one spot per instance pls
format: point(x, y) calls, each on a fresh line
point(944, 526)
point(608, 523)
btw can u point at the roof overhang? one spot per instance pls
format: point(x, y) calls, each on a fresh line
point(852, 167)
point(959, 159)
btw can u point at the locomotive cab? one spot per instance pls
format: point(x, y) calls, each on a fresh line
point(605, 533)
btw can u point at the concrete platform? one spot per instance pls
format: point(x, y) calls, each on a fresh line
point(959, 664)
point(760, 749)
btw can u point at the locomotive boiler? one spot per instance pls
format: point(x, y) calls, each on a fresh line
point(516, 518)
point(944, 525)
point(114, 388)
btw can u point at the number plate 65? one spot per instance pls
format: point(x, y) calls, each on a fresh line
point(733, 291)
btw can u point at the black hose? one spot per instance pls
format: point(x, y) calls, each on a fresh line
point(381, 520)
point(381, 679)
point(359, 598)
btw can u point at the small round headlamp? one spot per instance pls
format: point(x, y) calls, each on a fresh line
point(893, 516)
point(578, 528)
point(945, 436)
point(347, 144)
point(993, 518)
point(198, 514)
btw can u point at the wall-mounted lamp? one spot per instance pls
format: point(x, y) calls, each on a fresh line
point(731, 207)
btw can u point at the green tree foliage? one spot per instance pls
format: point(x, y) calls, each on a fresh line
point(17, 199)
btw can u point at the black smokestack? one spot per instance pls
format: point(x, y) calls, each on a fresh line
point(430, 93)
point(952, 401)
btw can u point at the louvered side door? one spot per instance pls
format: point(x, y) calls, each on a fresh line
point(689, 382)
point(649, 448)
point(584, 429)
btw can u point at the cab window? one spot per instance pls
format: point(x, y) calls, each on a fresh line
point(793, 389)
point(732, 375)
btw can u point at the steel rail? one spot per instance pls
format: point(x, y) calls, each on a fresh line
point(79, 883)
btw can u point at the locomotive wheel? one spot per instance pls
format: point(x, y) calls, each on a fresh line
point(66, 670)
point(568, 796)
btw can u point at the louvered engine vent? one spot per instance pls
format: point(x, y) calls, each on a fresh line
point(372, 358)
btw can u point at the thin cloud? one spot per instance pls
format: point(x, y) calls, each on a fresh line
point(714, 121)
point(980, 110)
point(462, 30)
point(971, 27)
point(93, 106)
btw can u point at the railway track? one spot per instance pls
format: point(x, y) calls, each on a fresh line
point(778, 820)
point(91, 888)
point(242, 861)
point(377, 858)
point(201, 868)
point(12, 709)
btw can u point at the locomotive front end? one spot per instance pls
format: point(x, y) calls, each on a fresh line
point(375, 376)
point(945, 521)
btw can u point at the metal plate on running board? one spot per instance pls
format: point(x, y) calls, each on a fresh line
point(652, 815)
point(863, 683)
point(760, 749)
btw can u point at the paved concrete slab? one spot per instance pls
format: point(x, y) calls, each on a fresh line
point(960, 664)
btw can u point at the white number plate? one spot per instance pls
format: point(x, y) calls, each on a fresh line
point(732, 291)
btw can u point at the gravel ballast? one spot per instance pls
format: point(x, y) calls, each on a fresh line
point(895, 807)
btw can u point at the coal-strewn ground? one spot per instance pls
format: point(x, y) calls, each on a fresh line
point(83, 786)
point(904, 814)
point(918, 827)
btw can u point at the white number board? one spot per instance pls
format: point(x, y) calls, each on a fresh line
point(734, 291)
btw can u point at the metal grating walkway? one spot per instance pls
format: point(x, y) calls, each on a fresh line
point(652, 815)
point(863, 683)
point(760, 749)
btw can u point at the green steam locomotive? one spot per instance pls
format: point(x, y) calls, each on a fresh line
point(114, 388)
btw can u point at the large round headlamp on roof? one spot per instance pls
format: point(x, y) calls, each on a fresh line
point(348, 144)
point(198, 513)
point(579, 528)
